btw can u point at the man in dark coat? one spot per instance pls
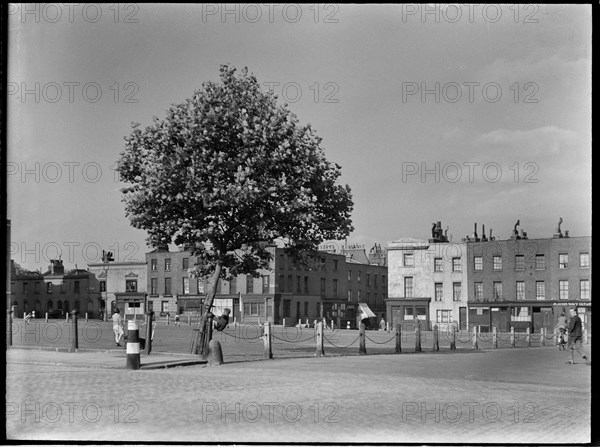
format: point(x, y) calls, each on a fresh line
point(575, 336)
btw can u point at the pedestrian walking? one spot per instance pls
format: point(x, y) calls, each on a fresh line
point(382, 324)
point(117, 326)
point(177, 320)
point(575, 337)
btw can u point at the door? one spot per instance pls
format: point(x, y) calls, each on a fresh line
point(462, 318)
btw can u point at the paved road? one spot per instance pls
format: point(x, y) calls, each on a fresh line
point(500, 396)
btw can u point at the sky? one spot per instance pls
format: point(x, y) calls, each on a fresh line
point(459, 114)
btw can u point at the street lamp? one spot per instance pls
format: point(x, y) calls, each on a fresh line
point(107, 256)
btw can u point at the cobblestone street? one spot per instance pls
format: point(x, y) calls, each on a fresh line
point(504, 395)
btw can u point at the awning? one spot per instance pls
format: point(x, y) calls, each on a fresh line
point(364, 311)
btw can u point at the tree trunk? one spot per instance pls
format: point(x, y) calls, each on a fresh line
point(205, 334)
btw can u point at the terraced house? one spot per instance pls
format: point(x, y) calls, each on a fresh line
point(283, 294)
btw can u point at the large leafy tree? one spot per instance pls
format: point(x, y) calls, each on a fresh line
point(228, 171)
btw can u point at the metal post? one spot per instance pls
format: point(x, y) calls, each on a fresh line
point(398, 338)
point(436, 340)
point(46, 317)
point(453, 340)
point(494, 337)
point(512, 337)
point(555, 340)
point(74, 337)
point(148, 347)
point(585, 336)
point(267, 339)
point(319, 337)
point(362, 348)
point(475, 345)
point(133, 346)
point(528, 336)
point(543, 336)
point(10, 329)
point(418, 338)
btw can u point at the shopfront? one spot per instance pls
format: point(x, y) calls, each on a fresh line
point(409, 313)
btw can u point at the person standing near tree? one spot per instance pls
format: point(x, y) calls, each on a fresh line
point(575, 337)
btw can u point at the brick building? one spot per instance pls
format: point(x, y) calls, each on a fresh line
point(54, 291)
point(522, 282)
point(481, 281)
point(331, 288)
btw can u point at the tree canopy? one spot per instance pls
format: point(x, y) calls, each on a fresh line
point(227, 171)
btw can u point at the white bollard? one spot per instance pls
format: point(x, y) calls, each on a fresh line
point(86, 317)
point(46, 317)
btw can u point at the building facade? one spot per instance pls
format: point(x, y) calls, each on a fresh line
point(427, 283)
point(528, 282)
point(284, 293)
point(514, 283)
point(54, 291)
point(120, 284)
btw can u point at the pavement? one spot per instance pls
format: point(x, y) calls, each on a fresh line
point(501, 396)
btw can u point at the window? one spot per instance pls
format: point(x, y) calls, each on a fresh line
point(408, 313)
point(584, 289)
point(563, 260)
point(540, 290)
point(520, 290)
point(540, 262)
point(375, 279)
point(249, 284)
point(497, 290)
point(322, 286)
point(358, 295)
point(439, 291)
point(456, 266)
point(383, 279)
point(349, 295)
point(478, 263)
point(478, 290)
point(49, 288)
point(153, 264)
point(186, 285)
point(25, 288)
point(456, 291)
point(368, 280)
point(164, 307)
point(167, 286)
point(306, 308)
point(421, 313)
point(131, 285)
point(201, 286)
point(167, 264)
point(497, 262)
point(444, 316)
point(409, 260)
point(584, 260)
point(335, 287)
point(153, 286)
point(437, 264)
point(306, 284)
point(102, 286)
point(408, 286)
point(358, 277)
point(335, 264)
point(36, 287)
point(519, 262)
point(287, 304)
point(265, 284)
point(281, 261)
point(185, 263)
point(563, 289)
point(233, 285)
point(75, 286)
point(349, 275)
